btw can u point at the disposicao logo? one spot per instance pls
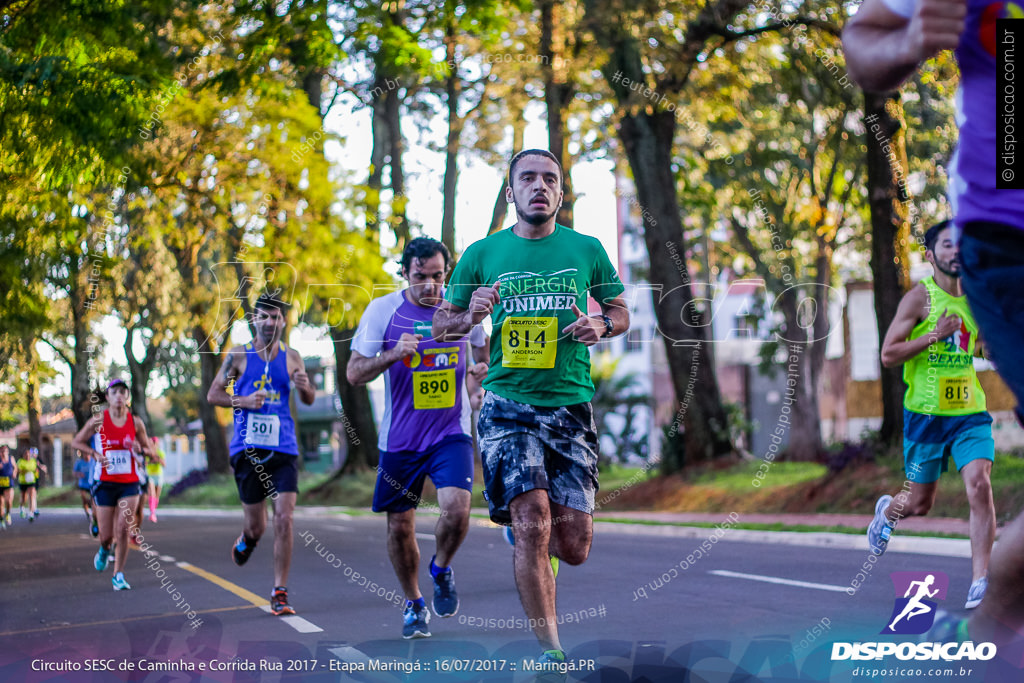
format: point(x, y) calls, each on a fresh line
point(912, 614)
point(914, 611)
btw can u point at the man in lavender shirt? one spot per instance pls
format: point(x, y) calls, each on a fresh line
point(885, 43)
point(426, 424)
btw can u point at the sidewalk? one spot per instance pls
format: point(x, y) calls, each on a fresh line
point(947, 525)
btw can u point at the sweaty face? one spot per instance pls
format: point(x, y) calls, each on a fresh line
point(945, 255)
point(426, 280)
point(269, 323)
point(536, 189)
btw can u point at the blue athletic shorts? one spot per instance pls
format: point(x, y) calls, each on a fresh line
point(992, 259)
point(261, 473)
point(930, 440)
point(400, 474)
point(527, 447)
point(107, 493)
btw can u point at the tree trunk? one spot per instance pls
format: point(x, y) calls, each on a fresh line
point(32, 403)
point(356, 411)
point(804, 423)
point(140, 374)
point(500, 203)
point(80, 389)
point(217, 456)
point(378, 158)
point(451, 159)
point(558, 92)
point(398, 202)
point(647, 140)
point(890, 236)
point(500, 208)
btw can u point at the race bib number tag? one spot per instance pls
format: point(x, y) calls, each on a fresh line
point(119, 462)
point(955, 393)
point(30, 477)
point(529, 342)
point(433, 389)
point(264, 430)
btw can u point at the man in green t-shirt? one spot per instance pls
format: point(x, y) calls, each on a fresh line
point(934, 337)
point(537, 434)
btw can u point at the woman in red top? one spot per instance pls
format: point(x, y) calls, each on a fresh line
point(122, 435)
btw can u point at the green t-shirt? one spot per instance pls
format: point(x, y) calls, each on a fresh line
point(538, 281)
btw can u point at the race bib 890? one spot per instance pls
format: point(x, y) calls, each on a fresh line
point(433, 389)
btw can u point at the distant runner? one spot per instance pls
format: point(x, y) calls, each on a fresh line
point(29, 472)
point(935, 338)
point(8, 474)
point(122, 437)
point(264, 449)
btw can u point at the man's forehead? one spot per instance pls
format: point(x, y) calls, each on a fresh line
point(435, 262)
point(535, 163)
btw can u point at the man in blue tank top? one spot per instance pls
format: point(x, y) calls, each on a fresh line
point(264, 449)
point(425, 427)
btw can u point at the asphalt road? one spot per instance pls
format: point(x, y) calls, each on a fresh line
point(651, 603)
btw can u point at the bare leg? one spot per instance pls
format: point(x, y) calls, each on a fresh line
point(404, 551)
point(977, 479)
point(536, 538)
point(1000, 616)
point(105, 521)
point(917, 501)
point(284, 507)
point(453, 524)
point(122, 519)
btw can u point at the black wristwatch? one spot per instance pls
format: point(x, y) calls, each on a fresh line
point(609, 326)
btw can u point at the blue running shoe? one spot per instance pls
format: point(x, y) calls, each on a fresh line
point(510, 538)
point(415, 620)
point(101, 559)
point(976, 593)
point(119, 583)
point(551, 667)
point(947, 628)
point(880, 530)
point(241, 550)
point(446, 600)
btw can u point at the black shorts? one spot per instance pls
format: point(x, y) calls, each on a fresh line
point(260, 473)
point(26, 487)
point(107, 493)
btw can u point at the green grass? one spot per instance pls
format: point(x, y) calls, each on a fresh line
point(777, 474)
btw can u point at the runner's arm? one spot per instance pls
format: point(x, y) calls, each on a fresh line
point(617, 311)
point(883, 48)
point(230, 371)
point(452, 323)
point(896, 349)
point(143, 438)
point(297, 373)
point(82, 440)
point(361, 369)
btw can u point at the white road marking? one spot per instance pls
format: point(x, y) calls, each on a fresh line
point(296, 622)
point(425, 537)
point(784, 582)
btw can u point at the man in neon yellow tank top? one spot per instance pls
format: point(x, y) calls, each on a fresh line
point(935, 338)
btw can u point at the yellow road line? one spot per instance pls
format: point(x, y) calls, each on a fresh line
point(61, 627)
point(226, 585)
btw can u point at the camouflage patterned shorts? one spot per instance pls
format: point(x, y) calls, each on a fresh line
point(527, 447)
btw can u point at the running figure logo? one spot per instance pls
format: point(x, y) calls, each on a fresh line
point(914, 612)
